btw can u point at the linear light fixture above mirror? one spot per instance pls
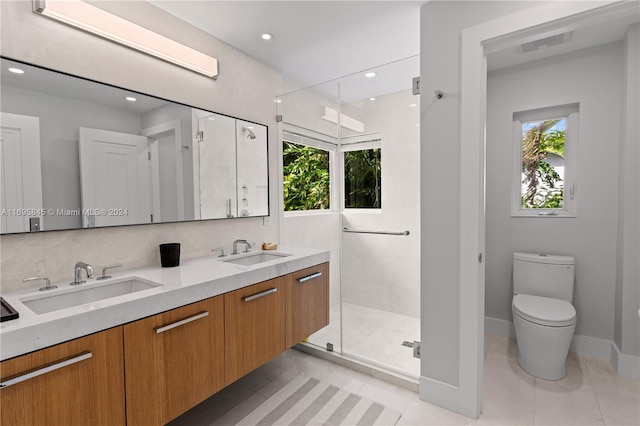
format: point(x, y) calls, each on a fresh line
point(89, 18)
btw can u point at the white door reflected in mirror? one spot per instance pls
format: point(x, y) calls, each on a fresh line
point(115, 178)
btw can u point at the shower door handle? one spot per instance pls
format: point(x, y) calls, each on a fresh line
point(309, 277)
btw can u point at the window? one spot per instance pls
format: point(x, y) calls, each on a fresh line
point(306, 177)
point(544, 162)
point(362, 178)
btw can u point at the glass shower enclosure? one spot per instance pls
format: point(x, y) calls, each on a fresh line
point(367, 124)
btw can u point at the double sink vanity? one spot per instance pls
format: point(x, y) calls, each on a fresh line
point(147, 345)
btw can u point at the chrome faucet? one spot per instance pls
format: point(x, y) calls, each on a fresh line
point(104, 275)
point(235, 246)
point(46, 280)
point(219, 249)
point(78, 269)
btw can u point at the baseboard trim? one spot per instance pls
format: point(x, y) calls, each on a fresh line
point(625, 365)
point(586, 345)
point(499, 327)
point(442, 394)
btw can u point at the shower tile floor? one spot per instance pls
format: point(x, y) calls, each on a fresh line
point(374, 335)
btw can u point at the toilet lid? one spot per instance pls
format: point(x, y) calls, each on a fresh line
point(544, 310)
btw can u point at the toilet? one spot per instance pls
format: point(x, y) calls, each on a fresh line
point(543, 315)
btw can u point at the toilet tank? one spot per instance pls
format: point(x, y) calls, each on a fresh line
point(544, 275)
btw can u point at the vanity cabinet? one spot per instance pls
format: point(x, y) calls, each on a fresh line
point(307, 302)
point(74, 383)
point(254, 326)
point(174, 360)
point(149, 371)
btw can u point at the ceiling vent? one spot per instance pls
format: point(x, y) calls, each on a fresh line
point(544, 42)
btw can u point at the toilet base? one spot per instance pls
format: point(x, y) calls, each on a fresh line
point(556, 373)
point(542, 350)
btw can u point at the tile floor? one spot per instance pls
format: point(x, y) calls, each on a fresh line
point(590, 394)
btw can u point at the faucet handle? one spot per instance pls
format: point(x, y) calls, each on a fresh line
point(46, 280)
point(219, 249)
point(104, 275)
point(250, 245)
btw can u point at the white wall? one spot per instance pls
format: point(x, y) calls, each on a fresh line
point(627, 325)
point(591, 78)
point(245, 88)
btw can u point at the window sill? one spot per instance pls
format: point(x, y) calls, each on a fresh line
point(543, 213)
point(298, 213)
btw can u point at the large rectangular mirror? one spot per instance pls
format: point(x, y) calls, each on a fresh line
point(76, 153)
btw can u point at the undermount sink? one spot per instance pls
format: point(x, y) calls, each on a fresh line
point(42, 304)
point(255, 258)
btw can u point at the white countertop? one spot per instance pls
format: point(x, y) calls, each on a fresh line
point(192, 281)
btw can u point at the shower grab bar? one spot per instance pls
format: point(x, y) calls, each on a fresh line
point(362, 231)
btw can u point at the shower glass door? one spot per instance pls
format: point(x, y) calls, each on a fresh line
point(380, 250)
point(367, 125)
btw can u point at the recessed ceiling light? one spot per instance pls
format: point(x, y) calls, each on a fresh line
point(278, 101)
point(16, 70)
point(372, 99)
point(266, 36)
point(131, 99)
point(412, 105)
point(370, 74)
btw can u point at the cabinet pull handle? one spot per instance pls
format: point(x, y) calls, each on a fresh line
point(181, 322)
point(309, 277)
point(46, 369)
point(259, 295)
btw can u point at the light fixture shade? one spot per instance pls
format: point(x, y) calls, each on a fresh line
point(97, 21)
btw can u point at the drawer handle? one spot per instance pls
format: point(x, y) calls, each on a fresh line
point(181, 322)
point(44, 370)
point(309, 277)
point(259, 295)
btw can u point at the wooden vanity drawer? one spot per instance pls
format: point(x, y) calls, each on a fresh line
point(254, 326)
point(75, 383)
point(308, 302)
point(173, 361)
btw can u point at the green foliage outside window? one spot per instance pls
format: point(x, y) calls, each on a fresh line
point(305, 177)
point(542, 185)
point(363, 178)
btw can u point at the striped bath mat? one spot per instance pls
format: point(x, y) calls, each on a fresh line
point(309, 401)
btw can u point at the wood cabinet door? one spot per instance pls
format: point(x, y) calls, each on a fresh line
point(75, 383)
point(308, 304)
point(254, 326)
point(173, 361)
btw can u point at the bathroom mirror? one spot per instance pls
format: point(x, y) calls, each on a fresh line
point(81, 154)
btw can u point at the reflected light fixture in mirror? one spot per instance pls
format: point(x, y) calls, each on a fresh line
point(89, 18)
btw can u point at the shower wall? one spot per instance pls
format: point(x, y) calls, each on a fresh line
point(379, 271)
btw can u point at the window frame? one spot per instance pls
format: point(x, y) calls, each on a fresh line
point(572, 114)
point(359, 143)
point(300, 137)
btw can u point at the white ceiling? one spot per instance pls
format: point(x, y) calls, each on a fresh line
point(318, 41)
point(313, 41)
point(587, 36)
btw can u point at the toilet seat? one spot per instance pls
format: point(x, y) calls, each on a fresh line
point(544, 310)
